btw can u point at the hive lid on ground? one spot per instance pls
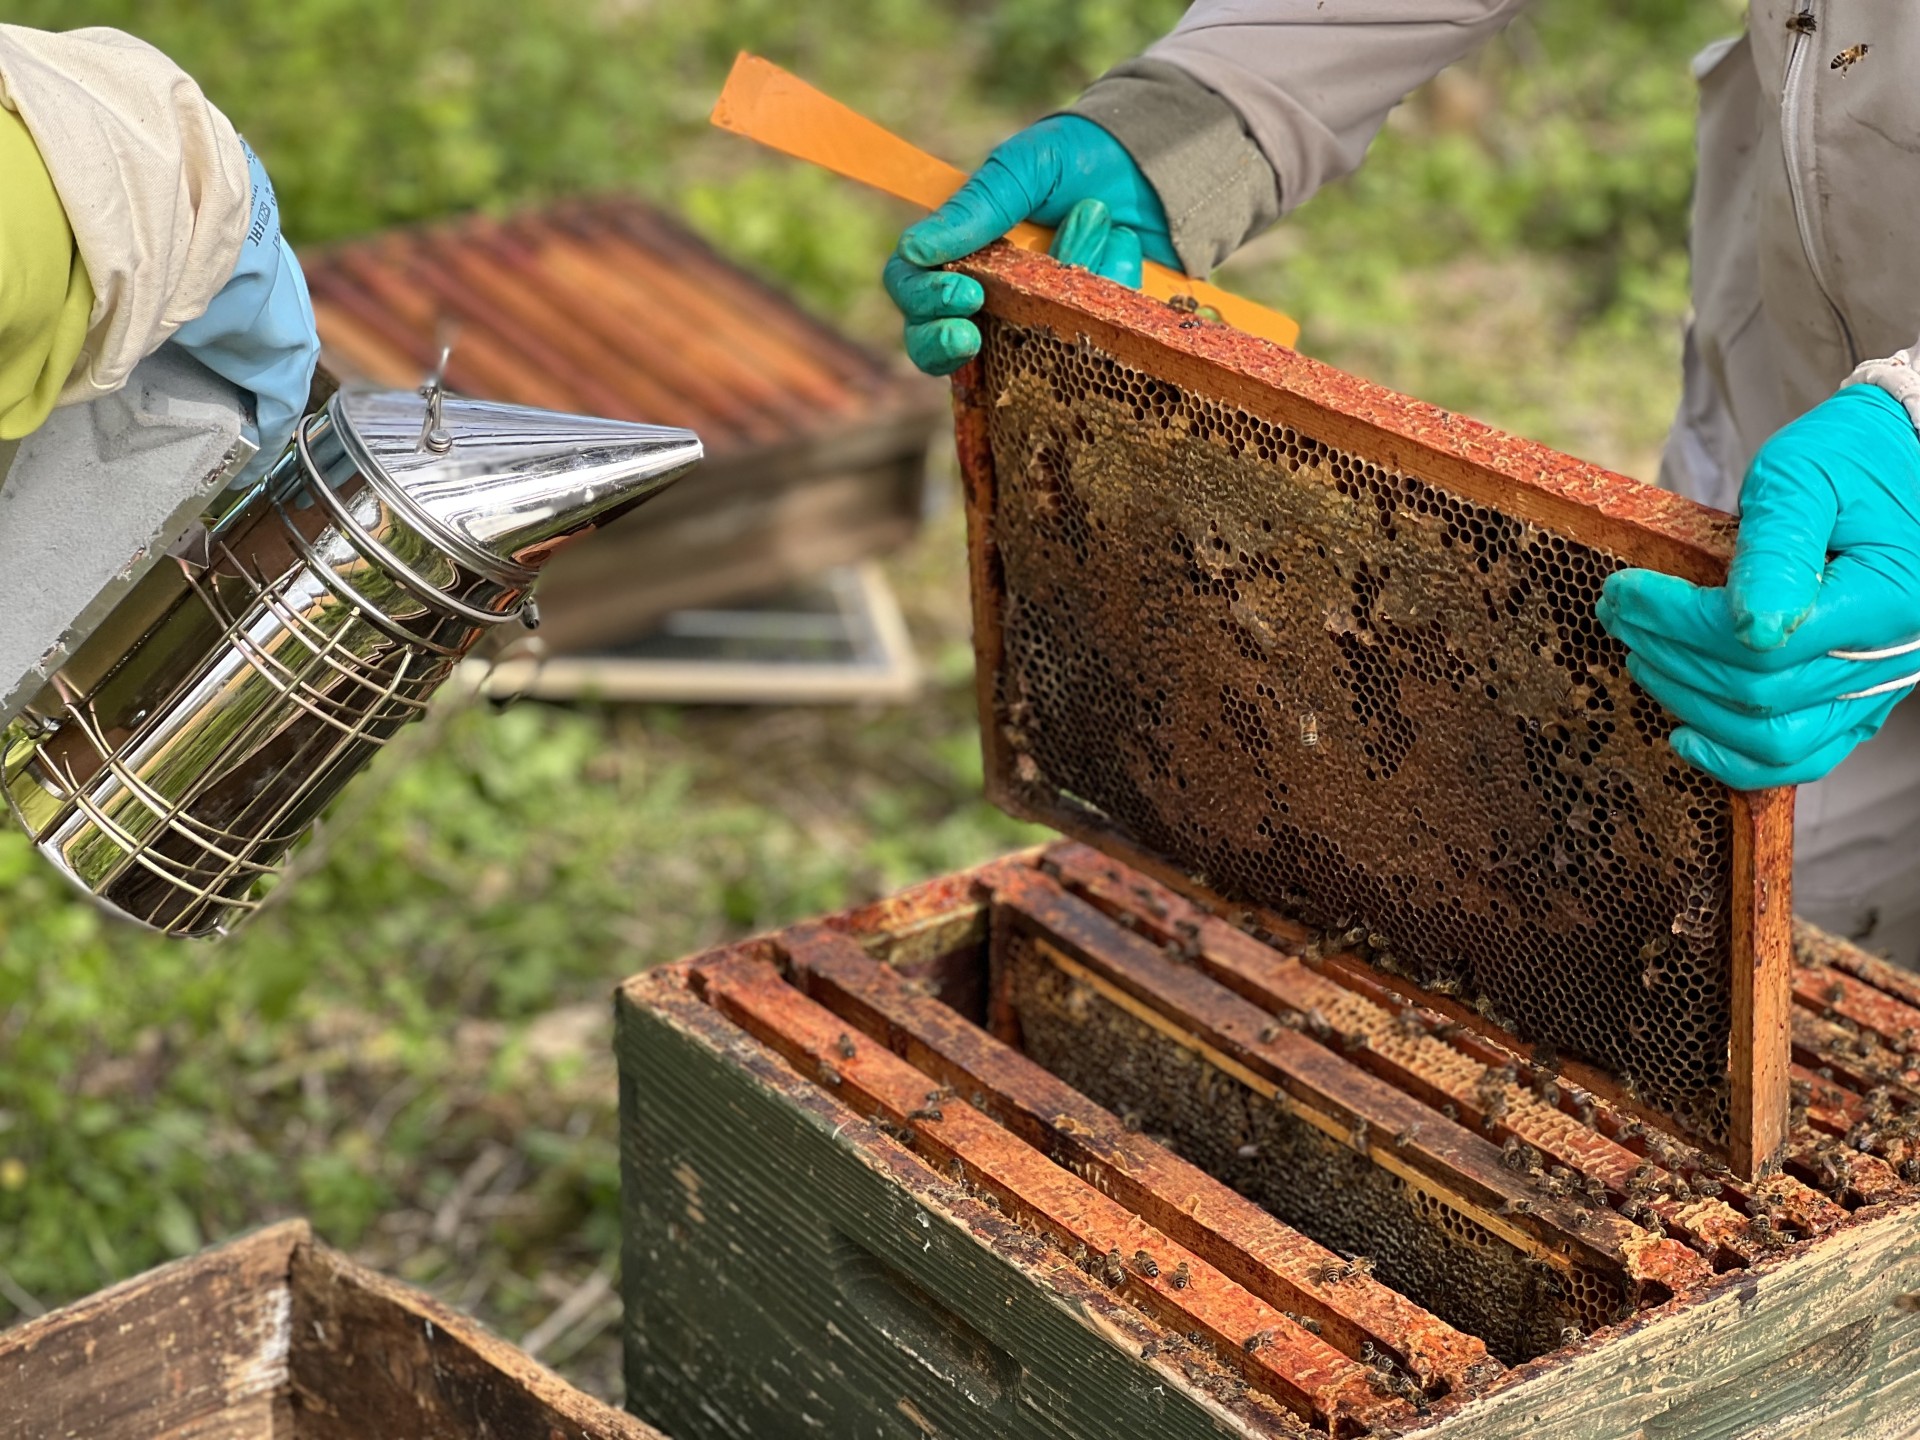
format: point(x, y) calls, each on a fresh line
point(602, 306)
point(1319, 654)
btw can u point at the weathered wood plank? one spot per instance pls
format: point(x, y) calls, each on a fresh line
point(789, 1269)
point(1809, 1347)
point(196, 1350)
point(1278, 1263)
point(372, 1357)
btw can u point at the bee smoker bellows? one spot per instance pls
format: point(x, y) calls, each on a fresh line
point(169, 765)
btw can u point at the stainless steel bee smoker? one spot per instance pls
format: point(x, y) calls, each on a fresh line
point(172, 761)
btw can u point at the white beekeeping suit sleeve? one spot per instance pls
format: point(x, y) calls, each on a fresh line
point(153, 179)
point(1250, 106)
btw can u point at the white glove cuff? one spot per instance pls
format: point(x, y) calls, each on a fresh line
point(1897, 375)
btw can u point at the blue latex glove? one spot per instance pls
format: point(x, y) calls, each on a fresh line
point(1776, 676)
point(258, 331)
point(1065, 172)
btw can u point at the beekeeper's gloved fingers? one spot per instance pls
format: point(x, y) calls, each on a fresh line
point(1089, 239)
point(940, 339)
point(1039, 174)
point(1777, 675)
point(258, 331)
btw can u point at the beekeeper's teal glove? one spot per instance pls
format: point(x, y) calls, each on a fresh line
point(1065, 172)
point(1776, 676)
point(258, 331)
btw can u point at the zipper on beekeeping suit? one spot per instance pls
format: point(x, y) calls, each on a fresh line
point(1796, 139)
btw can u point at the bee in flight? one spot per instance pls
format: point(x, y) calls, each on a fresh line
point(1849, 57)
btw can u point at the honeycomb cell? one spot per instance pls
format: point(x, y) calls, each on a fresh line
point(1350, 695)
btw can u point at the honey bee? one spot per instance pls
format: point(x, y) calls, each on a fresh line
point(828, 1075)
point(1114, 1269)
point(1331, 1272)
point(1517, 1205)
point(1259, 1340)
point(845, 1046)
point(1405, 1136)
point(1571, 1335)
point(1802, 23)
point(1182, 1277)
point(1146, 1264)
point(1309, 729)
point(1362, 1137)
point(928, 1114)
point(1848, 58)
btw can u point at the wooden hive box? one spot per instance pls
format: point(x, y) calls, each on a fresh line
point(1045, 1150)
point(276, 1337)
point(1408, 1043)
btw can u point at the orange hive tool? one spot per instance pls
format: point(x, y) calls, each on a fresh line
point(765, 103)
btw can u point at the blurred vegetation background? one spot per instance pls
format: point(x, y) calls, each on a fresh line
point(411, 1047)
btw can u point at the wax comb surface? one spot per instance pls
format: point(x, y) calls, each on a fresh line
point(1313, 648)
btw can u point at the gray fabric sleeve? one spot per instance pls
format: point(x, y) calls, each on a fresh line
point(1215, 184)
point(1312, 81)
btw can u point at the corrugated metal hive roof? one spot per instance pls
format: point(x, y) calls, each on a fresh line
point(601, 306)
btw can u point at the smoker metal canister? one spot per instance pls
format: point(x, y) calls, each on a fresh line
point(169, 766)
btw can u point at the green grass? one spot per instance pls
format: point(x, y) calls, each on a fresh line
point(410, 1045)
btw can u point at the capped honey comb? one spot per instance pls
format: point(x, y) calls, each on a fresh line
point(1323, 654)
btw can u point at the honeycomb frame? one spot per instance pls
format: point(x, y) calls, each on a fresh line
point(1271, 434)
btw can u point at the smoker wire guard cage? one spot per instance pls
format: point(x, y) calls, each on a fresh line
point(1043, 1151)
point(1239, 616)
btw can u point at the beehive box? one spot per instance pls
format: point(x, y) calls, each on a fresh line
point(1046, 1150)
point(1422, 1049)
point(276, 1337)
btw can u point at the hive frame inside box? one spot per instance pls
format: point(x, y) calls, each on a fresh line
point(794, 1199)
point(1451, 455)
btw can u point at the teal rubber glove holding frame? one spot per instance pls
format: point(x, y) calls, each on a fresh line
point(259, 331)
point(1065, 172)
point(1779, 674)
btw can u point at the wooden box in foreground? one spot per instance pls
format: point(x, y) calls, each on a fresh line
point(276, 1337)
point(1046, 1150)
